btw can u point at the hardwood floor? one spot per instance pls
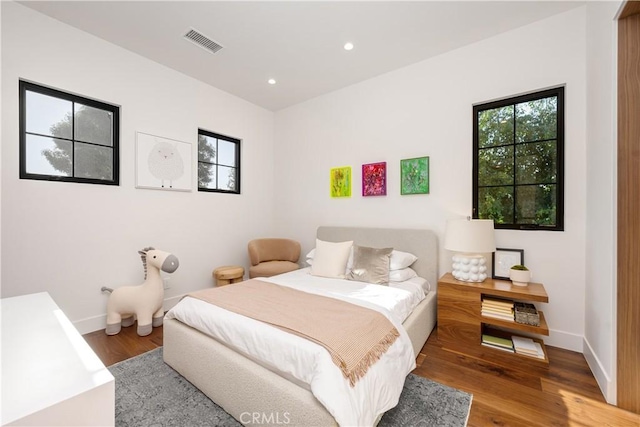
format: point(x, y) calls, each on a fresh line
point(116, 348)
point(564, 394)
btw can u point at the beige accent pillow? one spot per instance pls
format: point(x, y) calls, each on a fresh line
point(370, 265)
point(331, 258)
point(312, 254)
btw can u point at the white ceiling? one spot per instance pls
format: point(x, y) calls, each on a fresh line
point(298, 43)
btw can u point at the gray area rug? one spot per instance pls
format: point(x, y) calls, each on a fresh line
point(149, 393)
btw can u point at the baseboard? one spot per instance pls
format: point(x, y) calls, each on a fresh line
point(607, 386)
point(580, 344)
point(96, 323)
point(90, 324)
point(564, 340)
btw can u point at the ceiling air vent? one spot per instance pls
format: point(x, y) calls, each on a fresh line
point(203, 41)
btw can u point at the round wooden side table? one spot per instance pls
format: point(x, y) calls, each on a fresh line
point(228, 274)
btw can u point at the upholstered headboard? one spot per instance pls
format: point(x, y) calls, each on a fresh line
point(421, 243)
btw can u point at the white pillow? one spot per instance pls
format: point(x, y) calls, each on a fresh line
point(400, 260)
point(402, 274)
point(312, 254)
point(330, 259)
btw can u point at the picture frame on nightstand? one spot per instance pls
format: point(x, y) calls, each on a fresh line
point(503, 259)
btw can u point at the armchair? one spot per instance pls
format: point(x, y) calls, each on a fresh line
point(273, 256)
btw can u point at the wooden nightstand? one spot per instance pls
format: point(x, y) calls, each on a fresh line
point(461, 323)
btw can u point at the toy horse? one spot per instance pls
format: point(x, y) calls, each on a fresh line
point(143, 302)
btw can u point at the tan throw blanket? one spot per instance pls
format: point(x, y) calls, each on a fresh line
point(356, 337)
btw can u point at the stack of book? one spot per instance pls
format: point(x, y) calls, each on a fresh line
point(498, 343)
point(497, 308)
point(527, 347)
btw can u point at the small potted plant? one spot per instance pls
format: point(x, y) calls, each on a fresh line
point(520, 275)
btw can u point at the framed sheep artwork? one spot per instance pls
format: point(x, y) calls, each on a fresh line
point(162, 163)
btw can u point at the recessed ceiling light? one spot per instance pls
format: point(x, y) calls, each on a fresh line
point(348, 46)
point(271, 81)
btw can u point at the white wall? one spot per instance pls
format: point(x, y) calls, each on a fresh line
point(71, 239)
point(600, 311)
point(0, 164)
point(426, 109)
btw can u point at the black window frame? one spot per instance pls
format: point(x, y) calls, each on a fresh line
point(547, 93)
point(25, 86)
point(238, 168)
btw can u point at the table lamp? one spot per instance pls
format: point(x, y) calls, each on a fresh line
point(469, 238)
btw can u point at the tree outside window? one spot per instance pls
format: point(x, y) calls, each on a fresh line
point(66, 137)
point(518, 161)
point(218, 163)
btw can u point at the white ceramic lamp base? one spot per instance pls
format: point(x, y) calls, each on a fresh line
point(469, 268)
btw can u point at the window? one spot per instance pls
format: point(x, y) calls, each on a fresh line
point(218, 163)
point(66, 137)
point(518, 147)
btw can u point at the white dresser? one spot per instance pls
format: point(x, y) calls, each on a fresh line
point(50, 375)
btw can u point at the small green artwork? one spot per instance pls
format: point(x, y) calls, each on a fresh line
point(414, 176)
point(341, 182)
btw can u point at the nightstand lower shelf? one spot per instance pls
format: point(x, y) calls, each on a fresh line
point(508, 334)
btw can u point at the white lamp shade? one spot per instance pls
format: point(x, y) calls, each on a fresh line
point(469, 236)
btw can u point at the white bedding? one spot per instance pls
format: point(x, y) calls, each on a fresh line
point(308, 364)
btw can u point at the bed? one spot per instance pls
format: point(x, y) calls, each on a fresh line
point(246, 389)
